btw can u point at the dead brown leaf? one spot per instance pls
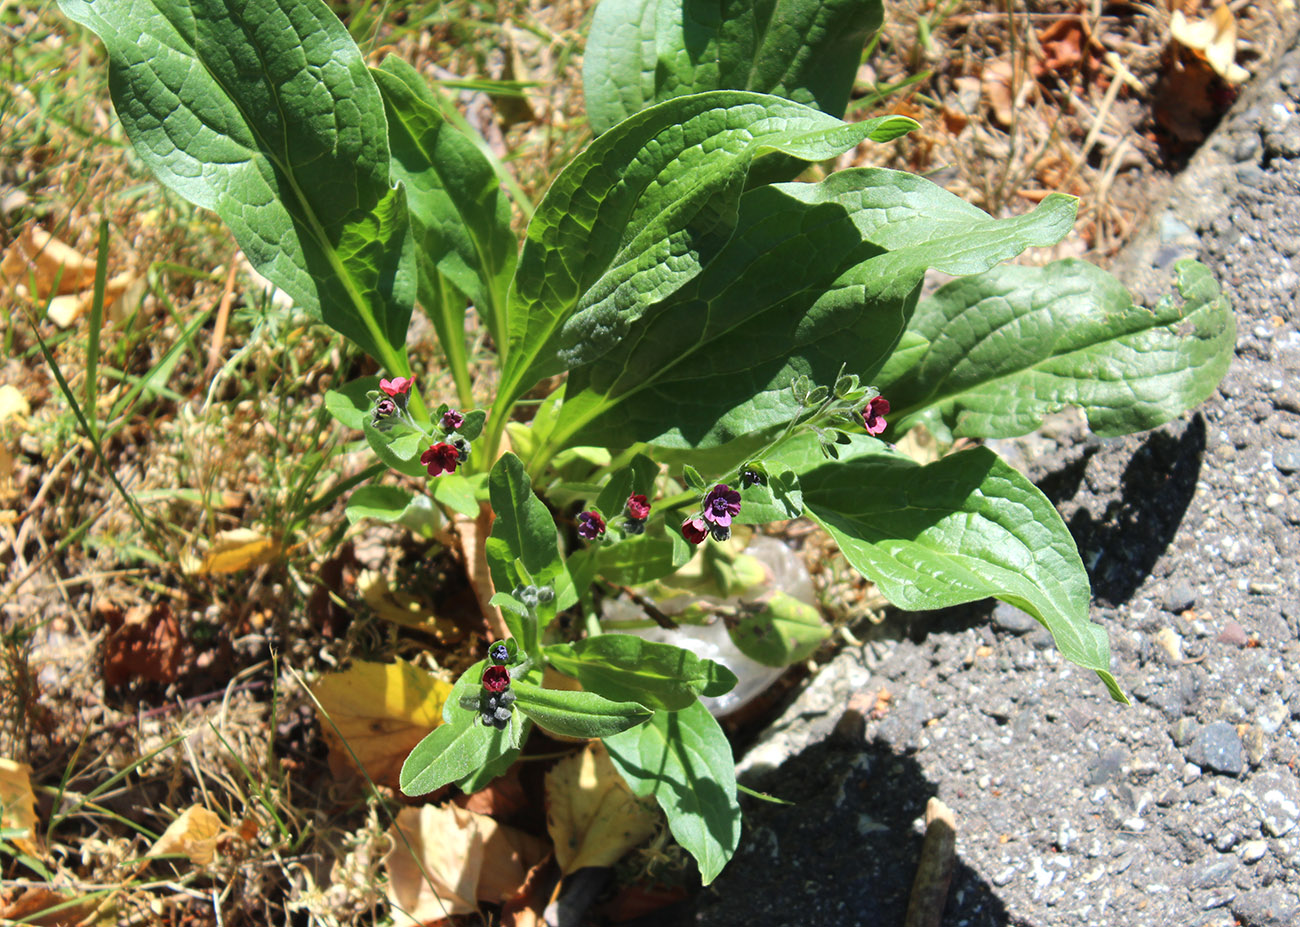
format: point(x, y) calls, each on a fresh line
point(382, 710)
point(28, 906)
point(18, 804)
point(445, 860)
point(143, 643)
point(997, 85)
point(193, 834)
point(591, 814)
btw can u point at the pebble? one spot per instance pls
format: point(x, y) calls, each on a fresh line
point(1287, 459)
point(1277, 795)
point(1179, 597)
point(1009, 618)
point(1217, 747)
point(1233, 633)
point(1252, 851)
point(1182, 731)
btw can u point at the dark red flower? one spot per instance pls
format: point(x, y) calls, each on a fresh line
point(590, 525)
point(721, 505)
point(440, 458)
point(397, 386)
point(451, 420)
point(695, 530)
point(873, 415)
point(496, 679)
point(636, 507)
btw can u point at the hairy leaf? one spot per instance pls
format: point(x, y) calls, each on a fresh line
point(1017, 343)
point(641, 52)
point(958, 530)
point(815, 276)
point(265, 113)
point(577, 714)
point(460, 215)
point(683, 759)
point(625, 667)
point(640, 211)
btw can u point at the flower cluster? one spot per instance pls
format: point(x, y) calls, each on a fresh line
point(635, 512)
point(440, 458)
point(720, 505)
point(495, 700)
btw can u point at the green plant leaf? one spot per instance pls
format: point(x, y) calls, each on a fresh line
point(394, 504)
point(637, 477)
point(628, 668)
point(643, 558)
point(777, 499)
point(958, 530)
point(576, 714)
point(458, 493)
point(645, 51)
point(683, 759)
point(640, 211)
point(779, 630)
point(815, 276)
point(349, 404)
point(1018, 343)
point(523, 529)
point(460, 216)
point(401, 451)
point(265, 113)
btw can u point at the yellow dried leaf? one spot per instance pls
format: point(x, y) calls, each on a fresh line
point(467, 857)
point(591, 814)
point(382, 710)
point(236, 550)
point(404, 609)
point(56, 268)
point(64, 310)
point(13, 404)
point(18, 804)
point(193, 834)
point(1213, 39)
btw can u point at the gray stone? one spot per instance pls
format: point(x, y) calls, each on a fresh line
point(1213, 872)
point(1179, 597)
point(1287, 458)
point(1218, 748)
point(1009, 618)
point(1269, 907)
point(1277, 796)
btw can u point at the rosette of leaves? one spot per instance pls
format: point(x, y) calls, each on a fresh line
point(682, 280)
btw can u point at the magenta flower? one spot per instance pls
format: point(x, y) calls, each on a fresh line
point(695, 530)
point(440, 458)
point(721, 505)
point(398, 386)
point(451, 420)
point(873, 415)
point(496, 679)
point(637, 507)
point(590, 525)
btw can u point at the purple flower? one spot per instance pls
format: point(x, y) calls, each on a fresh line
point(721, 505)
point(398, 386)
point(440, 458)
point(590, 525)
point(384, 408)
point(695, 530)
point(636, 507)
point(873, 415)
point(451, 420)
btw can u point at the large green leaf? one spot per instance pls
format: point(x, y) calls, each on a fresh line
point(460, 215)
point(683, 759)
point(640, 211)
point(961, 529)
point(577, 714)
point(265, 113)
point(641, 52)
point(1017, 343)
point(628, 668)
point(815, 276)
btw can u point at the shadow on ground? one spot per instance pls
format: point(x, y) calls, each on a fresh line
point(845, 853)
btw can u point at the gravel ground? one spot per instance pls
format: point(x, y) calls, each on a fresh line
point(1183, 810)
